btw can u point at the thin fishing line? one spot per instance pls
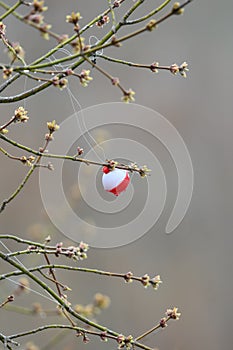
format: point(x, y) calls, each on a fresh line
point(96, 145)
point(9, 251)
point(17, 283)
point(32, 290)
point(81, 120)
point(99, 52)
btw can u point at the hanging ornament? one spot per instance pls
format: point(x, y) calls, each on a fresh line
point(115, 181)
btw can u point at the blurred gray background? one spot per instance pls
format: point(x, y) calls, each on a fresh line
point(195, 261)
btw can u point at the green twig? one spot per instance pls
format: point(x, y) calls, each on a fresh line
point(150, 14)
point(5, 340)
point(153, 329)
point(65, 157)
point(18, 189)
point(32, 312)
point(10, 9)
point(71, 268)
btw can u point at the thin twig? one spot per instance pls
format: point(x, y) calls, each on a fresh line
point(18, 189)
point(152, 329)
point(124, 276)
point(65, 157)
point(10, 10)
